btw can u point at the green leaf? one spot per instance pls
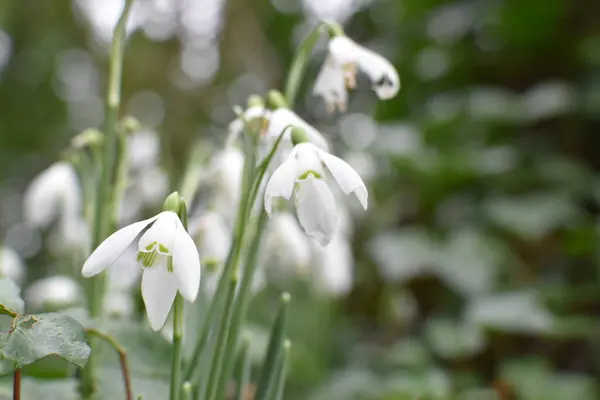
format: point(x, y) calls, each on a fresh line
point(33, 337)
point(453, 339)
point(11, 302)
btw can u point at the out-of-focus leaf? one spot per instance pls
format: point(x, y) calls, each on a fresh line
point(407, 353)
point(36, 336)
point(532, 379)
point(404, 254)
point(534, 216)
point(10, 298)
point(453, 339)
point(425, 384)
point(510, 312)
point(350, 384)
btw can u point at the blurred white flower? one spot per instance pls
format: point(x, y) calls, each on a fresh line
point(53, 194)
point(11, 265)
point(339, 73)
point(257, 117)
point(143, 150)
point(334, 267)
point(213, 237)
point(54, 292)
point(167, 255)
point(286, 249)
point(303, 173)
point(118, 303)
point(224, 175)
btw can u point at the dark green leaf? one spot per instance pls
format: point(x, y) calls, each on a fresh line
point(33, 337)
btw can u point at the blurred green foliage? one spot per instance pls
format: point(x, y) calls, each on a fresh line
point(477, 266)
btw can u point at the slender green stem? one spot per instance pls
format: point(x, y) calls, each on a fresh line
point(279, 388)
point(122, 358)
point(217, 360)
point(274, 351)
point(177, 347)
point(103, 213)
point(244, 373)
point(242, 302)
point(231, 262)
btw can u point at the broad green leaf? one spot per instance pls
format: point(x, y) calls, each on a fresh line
point(10, 298)
point(36, 336)
point(453, 339)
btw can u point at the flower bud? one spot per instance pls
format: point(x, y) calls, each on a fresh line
point(88, 138)
point(276, 100)
point(255, 101)
point(173, 202)
point(299, 135)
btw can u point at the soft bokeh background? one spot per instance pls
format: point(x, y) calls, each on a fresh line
point(476, 266)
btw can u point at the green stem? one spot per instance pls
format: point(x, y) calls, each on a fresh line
point(122, 358)
point(17, 384)
point(103, 213)
point(217, 361)
point(187, 391)
point(279, 387)
point(267, 379)
point(231, 262)
point(177, 347)
point(242, 302)
point(294, 78)
point(244, 373)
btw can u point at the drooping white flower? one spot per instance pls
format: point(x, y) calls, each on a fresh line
point(339, 73)
point(11, 265)
point(283, 118)
point(167, 255)
point(303, 173)
point(52, 293)
point(286, 250)
point(224, 176)
point(255, 116)
point(53, 194)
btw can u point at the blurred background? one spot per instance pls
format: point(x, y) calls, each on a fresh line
point(474, 274)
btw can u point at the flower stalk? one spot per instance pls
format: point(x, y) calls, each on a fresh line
point(103, 213)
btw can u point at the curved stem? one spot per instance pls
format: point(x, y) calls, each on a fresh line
point(122, 358)
point(17, 384)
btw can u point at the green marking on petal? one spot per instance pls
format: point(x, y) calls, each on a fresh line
point(162, 248)
point(310, 172)
point(170, 264)
point(150, 246)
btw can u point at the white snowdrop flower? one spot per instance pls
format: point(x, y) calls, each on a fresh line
point(303, 172)
point(334, 267)
point(213, 236)
point(339, 73)
point(224, 175)
point(286, 246)
point(167, 255)
point(52, 194)
point(11, 265)
point(54, 292)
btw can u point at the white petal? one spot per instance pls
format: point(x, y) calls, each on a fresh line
point(316, 209)
point(308, 158)
point(331, 86)
point(382, 73)
point(281, 183)
point(112, 248)
point(161, 232)
point(11, 265)
point(346, 177)
point(159, 288)
point(335, 267)
point(283, 117)
point(186, 264)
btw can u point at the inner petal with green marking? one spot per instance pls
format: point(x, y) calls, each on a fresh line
point(310, 172)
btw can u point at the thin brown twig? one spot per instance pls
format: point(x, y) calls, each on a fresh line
point(122, 358)
point(17, 384)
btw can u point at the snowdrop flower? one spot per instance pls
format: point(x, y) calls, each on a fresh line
point(55, 292)
point(284, 118)
point(286, 245)
point(167, 255)
point(256, 116)
point(339, 73)
point(224, 175)
point(334, 268)
point(303, 172)
point(11, 265)
point(52, 194)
